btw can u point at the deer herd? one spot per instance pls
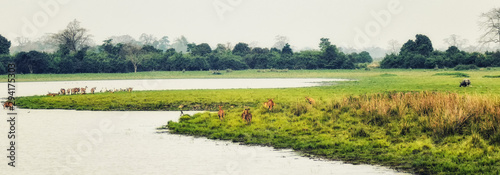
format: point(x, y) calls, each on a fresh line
point(83, 90)
point(247, 116)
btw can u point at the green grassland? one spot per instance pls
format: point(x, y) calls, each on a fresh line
point(418, 121)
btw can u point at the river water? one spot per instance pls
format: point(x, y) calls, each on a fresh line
point(116, 142)
point(42, 88)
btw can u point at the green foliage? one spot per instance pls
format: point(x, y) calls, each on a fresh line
point(465, 67)
point(4, 45)
point(491, 76)
point(420, 54)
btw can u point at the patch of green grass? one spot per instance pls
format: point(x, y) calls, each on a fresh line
point(388, 75)
point(491, 76)
point(456, 74)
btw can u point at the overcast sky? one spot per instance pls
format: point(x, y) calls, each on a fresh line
point(355, 23)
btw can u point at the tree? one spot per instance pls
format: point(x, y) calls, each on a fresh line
point(134, 54)
point(455, 40)
point(4, 45)
point(73, 37)
point(423, 45)
point(147, 39)
point(122, 39)
point(180, 44)
point(490, 23)
point(324, 43)
point(286, 51)
point(241, 49)
point(281, 41)
point(202, 49)
point(164, 43)
point(394, 46)
point(364, 57)
point(32, 62)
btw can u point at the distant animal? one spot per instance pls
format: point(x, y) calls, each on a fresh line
point(221, 113)
point(244, 114)
point(75, 91)
point(83, 90)
point(269, 104)
point(52, 94)
point(248, 116)
point(8, 105)
point(129, 89)
point(92, 90)
point(63, 91)
point(465, 83)
point(310, 100)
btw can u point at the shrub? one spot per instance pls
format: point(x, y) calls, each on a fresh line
point(465, 67)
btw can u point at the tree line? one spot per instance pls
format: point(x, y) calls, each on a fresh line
point(74, 56)
point(419, 53)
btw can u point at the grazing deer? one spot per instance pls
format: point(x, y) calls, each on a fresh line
point(221, 113)
point(269, 104)
point(75, 91)
point(310, 100)
point(52, 94)
point(83, 90)
point(8, 105)
point(92, 90)
point(63, 91)
point(129, 89)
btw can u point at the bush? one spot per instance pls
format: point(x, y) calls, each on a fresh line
point(466, 67)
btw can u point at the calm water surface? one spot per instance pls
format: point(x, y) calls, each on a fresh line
point(42, 88)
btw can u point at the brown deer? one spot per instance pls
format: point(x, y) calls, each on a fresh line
point(8, 105)
point(248, 116)
point(92, 90)
point(310, 100)
point(63, 91)
point(221, 113)
point(129, 89)
point(269, 104)
point(52, 94)
point(83, 90)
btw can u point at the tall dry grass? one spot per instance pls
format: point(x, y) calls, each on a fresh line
point(445, 113)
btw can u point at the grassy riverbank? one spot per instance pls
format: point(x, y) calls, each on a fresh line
point(438, 128)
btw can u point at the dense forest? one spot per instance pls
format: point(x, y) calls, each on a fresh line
point(129, 57)
point(421, 54)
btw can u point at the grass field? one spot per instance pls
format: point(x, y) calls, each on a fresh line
point(418, 121)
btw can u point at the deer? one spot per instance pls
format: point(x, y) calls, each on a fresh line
point(8, 105)
point(269, 104)
point(221, 113)
point(310, 100)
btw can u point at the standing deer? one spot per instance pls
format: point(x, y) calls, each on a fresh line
point(269, 104)
point(221, 113)
point(310, 100)
point(247, 116)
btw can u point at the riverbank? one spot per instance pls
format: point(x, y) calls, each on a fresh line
point(418, 132)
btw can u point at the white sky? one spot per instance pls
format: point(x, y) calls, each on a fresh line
point(304, 22)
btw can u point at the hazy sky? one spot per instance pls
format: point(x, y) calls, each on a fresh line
point(356, 23)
